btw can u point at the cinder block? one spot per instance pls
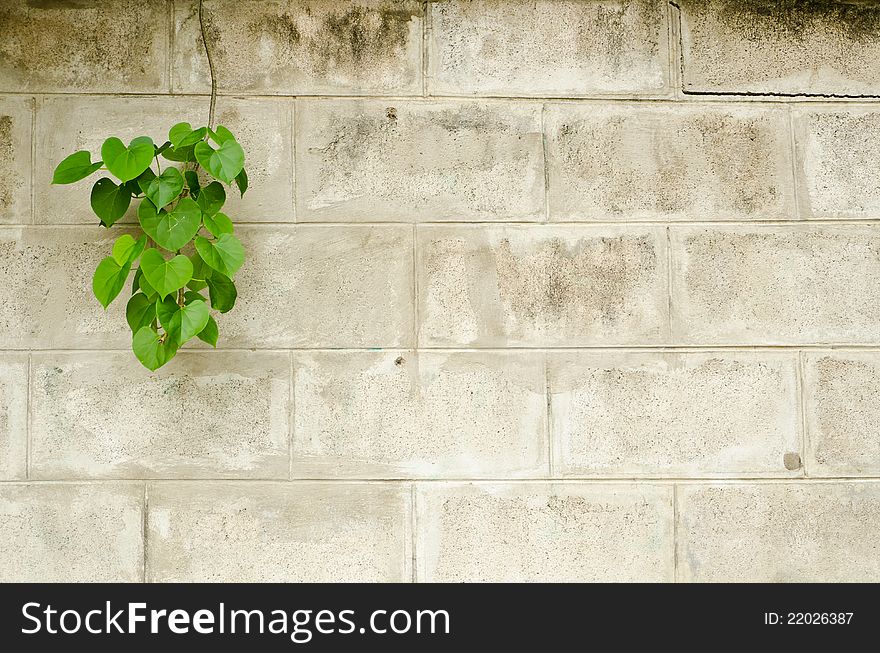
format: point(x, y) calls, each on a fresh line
point(839, 162)
point(543, 532)
point(842, 401)
point(316, 286)
point(788, 48)
point(776, 285)
point(46, 285)
point(278, 532)
point(419, 161)
point(16, 118)
point(401, 414)
point(264, 128)
point(13, 416)
point(547, 48)
point(204, 415)
point(778, 532)
point(669, 162)
point(541, 285)
point(71, 532)
point(64, 47)
point(674, 414)
point(301, 47)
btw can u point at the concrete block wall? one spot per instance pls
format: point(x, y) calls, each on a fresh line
point(546, 290)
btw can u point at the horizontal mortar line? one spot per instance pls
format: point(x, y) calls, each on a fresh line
point(687, 97)
point(616, 480)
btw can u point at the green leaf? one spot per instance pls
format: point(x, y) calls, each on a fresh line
point(109, 279)
point(139, 184)
point(75, 167)
point(241, 180)
point(224, 163)
point(211, 198)
point(192, 181)
point(200, 272)
point(191, 296)
point(182, 324)
point(222, 292)
point(180, 154)
point(140, 311)
point(145, 286)
point(127, 162)
point(109, 201)
point(161, 148)
point(166, 276)
point(162, 190)
point(150, 348)
point(218, 224)
point(225, 255)
point(126, 249)
point(171, 230)
point(210, 333)
point(221, 135)
point(183, 135)
point(136, 281)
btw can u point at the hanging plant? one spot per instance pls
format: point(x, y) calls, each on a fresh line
point(185, 244)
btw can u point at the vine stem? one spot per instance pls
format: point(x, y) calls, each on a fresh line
point(210, 66)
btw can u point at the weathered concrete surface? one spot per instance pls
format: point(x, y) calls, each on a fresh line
point(842, 397)
point(669, 162)
point(809, 47)
point(419, 415)
point(541, 286)
point(49, 46)
point(547, 48)
point(204, 415)
point(16, 116)
point(682, 414)
point(71, 532)
point(13, 416)
point(301, 47)
point(544, 532)
point(776, 285)
point(419, 161)
point(274, 532)
point(772, 533)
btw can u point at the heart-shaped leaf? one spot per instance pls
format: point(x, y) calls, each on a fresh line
point(242, 182)
point(109, 201)
point(225, 255)
point(210, 333)
point(165, 276)
point(126, 249)
point(183, 135)
point(181, 154)
point(201, 271)
point(140, 311)
point(171, 230)
point(211, 198)
point(192, 181)
point(145, 287)
point(109, 279)
point(127, 162)
point(152, 350)
point(222, 292)
point(221, 135)
point(162, 190)
point(75, 167)
point(224, 163)
point(184, 323)
point(218, 224)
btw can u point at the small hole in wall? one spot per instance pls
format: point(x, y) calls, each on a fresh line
point(792, 461)
point(399, 361)
point(391, 113)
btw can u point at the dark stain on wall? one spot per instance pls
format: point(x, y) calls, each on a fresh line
point(858, 20)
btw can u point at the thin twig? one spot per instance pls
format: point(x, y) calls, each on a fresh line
point(210, 67)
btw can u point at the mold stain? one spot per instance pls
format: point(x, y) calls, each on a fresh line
point(856, 20)
point(7, 185)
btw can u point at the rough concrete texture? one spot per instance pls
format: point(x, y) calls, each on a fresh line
point(842, 391)
point(793, 532)
point(16, 117)
point(776, 285)
point(793, 47)
point(53, 46)
point(204, 415)
point(541, 286)
point(271, 532)
point(682, 414)
point(419, 161)
point(669, 162)
point(316, 286)
point(544, 532)
point(303, 47)
point(71, 532)
point(547, 47)
point(13, 416)
point(419, 415)
point(839, 162)
point(263, 127)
